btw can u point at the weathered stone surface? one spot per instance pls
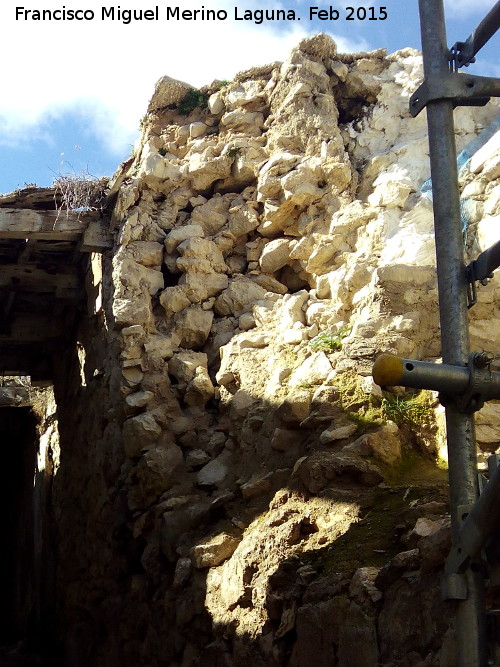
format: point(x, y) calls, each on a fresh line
point(384, 444)
point(238, 297)
point(156, 471)
point(168, 91)
point(215, 472)
point(425, 527)
point(322, 468)
point(363, 585)
point(420, 599)
point(215, 551)
point(341, 633)
point(177, 236)
point(256, 485)
point(406, 561)
point(184, 364)
point(434, 548)
point(139, 399)
point(139, 433)
point(337, 433)
point(314, 370)
point(192, 326)
point(275, 255)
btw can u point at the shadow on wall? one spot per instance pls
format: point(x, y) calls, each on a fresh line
point(257, 543)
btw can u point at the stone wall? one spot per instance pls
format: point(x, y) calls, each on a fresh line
point(222, 444)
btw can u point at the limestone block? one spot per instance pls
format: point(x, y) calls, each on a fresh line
point(256, 485)
point(275, 255)
point(241, 402)
point(174, 299)
point(246, 321)
point(490, 151)
point(362, 586)
point(197, 129)
point(159, 346)
point(200, 389)
point(384, 444)
point(156, 168)
point(248, 122)
point(318, 47)
point(147, 253)
point(177, 236)
point(216, 103)
point(337, 433)
point(137, 278)
point(296, 407)
point(177, 522)
point(424, 527)
point(340, 632)
point(215, 551)
point(284, 439)
point(405, 561)
point(133, 376)
point(239, 297)
point(203, 171)
point(200, 286)
point(129, 312)
point(139, 399)
point(292, 309)
point(434, 548)
point(192, 326)
point(314, 370)
point(269, 283)
point(201, 248)
point(320, 260)
point(246, 92)
point(211, 216)
point(215, 472)
point(197, 457)
point(139, 433)
point(157, 470)
point(295, 335)
point(488, 427)
point(168, 91)
point(184, 364)
point(247, 162)
point(243, 220)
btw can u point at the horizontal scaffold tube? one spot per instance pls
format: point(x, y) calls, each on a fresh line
point(392, 371)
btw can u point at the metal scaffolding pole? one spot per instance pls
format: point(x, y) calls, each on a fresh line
point(452, 288)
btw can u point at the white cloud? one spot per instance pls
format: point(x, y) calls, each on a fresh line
point(463, 8)
point(107, 70)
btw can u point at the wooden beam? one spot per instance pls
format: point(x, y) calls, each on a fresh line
point(18, 223)
point(25, 360)
point(30, 278)
point(97, 237)
point(30, 328)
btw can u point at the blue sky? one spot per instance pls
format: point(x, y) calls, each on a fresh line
point(73, 92)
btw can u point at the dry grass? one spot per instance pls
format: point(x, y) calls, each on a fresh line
point(80, 192)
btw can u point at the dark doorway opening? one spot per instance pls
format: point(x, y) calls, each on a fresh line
point(19, 569)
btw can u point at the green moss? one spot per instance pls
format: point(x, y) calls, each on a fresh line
point(329, 341)
point(371, 541)
point(365, 421)
point(191, 100)
point(415, 410)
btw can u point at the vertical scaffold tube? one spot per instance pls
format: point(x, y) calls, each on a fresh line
point(471, 644)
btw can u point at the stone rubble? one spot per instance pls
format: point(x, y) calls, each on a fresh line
point(269, 246)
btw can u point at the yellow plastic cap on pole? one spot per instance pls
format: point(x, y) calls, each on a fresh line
point(387, 370)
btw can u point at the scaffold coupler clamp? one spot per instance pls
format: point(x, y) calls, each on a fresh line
point(473, 399)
